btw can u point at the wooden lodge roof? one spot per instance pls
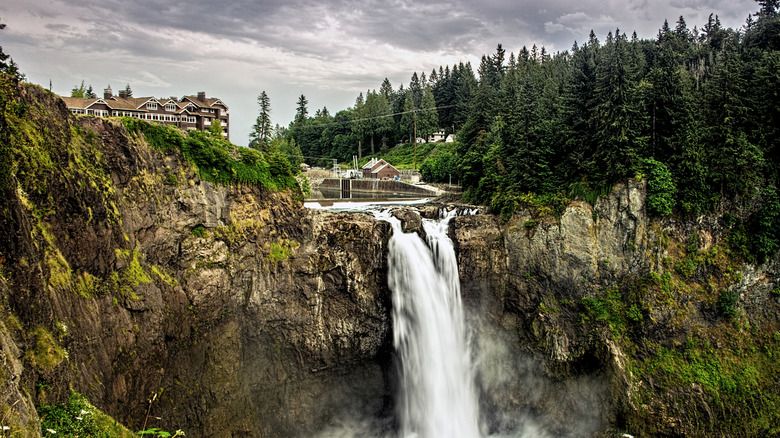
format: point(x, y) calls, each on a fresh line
point(139, 103)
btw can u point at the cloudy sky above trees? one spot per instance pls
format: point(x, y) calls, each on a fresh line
point(328, 50)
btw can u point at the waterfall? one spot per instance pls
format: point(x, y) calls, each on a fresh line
point(437, 395)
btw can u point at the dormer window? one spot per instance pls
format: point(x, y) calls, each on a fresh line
point(151, 105)
point(170, 107)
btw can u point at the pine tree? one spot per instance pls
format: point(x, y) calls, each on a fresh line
point(575, 152)
point(408, 116)
point(415, 87)
point(768, 8)
point(128, 91)
point(79, 91)
point(302, 110)
point(386, 90)
point(465, 86)
point(616, 114)
point(735, 162)
point(262, 131)
point(427, 118)
point(359, 128)
point(7, 64)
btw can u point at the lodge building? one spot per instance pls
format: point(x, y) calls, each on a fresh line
point(189, 112)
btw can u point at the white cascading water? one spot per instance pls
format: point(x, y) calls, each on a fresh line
point(437, 395)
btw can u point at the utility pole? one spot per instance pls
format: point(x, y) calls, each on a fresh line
point(415, 139)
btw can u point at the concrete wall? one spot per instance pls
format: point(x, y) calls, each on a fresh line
point(376, 185)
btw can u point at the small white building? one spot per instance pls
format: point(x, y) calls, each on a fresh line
point(436, 137)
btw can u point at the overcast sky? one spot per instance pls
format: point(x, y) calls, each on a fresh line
point(328, 50)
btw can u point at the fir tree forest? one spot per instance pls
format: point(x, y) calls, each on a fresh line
point(695, 110)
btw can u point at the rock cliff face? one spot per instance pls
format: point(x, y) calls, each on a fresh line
point(244, 313)
point(621, 325)
point(123, 276)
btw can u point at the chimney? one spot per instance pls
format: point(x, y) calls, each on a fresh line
point(202, 96)
point(107, 93)
point(123, 94)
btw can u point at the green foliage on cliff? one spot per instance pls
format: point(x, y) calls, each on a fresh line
point(217, 159)
point(734, 382)
point(79, 418)
point(688, 342)
point(660, 188)
point(441, 165)
point(45, 352)
point(282, 250)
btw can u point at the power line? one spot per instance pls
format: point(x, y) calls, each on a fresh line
point(320, 125)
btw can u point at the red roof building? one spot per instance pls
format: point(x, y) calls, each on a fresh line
point(379, 169)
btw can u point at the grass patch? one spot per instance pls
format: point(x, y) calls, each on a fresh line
point(79, 418)
point(45, 352)
point(282, 250)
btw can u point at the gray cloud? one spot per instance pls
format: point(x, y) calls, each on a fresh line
point(323, 49)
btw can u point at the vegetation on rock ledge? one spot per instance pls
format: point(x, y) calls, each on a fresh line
point(217, 159)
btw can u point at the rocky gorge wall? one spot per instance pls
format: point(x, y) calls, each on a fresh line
point(603, 322)
point(127, 278)
point(124, 276)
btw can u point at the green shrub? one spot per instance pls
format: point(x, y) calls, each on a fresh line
point(660, 188)
point(216, 159)
point(609, 309)
point(727, 303)
point(199, 231)
point(765, 236)
point(585, 191)
point(79, 418)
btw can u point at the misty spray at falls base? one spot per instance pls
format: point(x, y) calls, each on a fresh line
point(456, 371)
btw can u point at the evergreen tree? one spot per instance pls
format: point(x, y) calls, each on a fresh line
point(735, 162)
point(262, 131)
point(7, 64)
point(128, 91)
point(359, 123)
point(300, 131)
point(415, 87)
point(409, 116)
point(81, 91)
point(768, 8)
point(386, 90)
point(302, 110)
point(616, 114)
point(427, 118)
point(378, 119)
point(574, 154)
point(465, 86)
